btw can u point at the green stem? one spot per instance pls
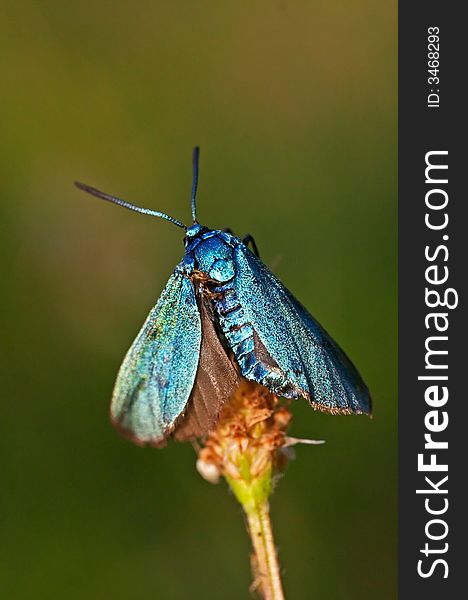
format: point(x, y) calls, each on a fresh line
point(267, 569)
point(253, 494)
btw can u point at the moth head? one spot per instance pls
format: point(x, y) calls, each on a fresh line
point(193, 232)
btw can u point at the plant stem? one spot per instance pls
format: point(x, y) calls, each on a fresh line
point(245, 448)
point(267, 571)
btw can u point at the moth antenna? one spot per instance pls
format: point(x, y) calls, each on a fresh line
point(145, 211)
point(195, 159)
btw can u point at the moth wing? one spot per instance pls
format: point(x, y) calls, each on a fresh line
point(216, 380)
point(312, 363)
point(157, 375)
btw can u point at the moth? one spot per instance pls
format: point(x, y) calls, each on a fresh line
point(223, 316)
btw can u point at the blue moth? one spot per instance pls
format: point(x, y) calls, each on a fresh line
point(223, 316)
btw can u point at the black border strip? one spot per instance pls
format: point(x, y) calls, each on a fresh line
point(423, 128)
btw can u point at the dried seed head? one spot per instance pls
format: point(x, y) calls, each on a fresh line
point(246, 444)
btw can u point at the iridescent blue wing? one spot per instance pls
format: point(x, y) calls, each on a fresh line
point(294, 350)
point(158, 373)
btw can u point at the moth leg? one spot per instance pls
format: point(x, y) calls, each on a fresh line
point(249, 239)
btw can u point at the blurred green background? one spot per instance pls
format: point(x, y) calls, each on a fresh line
point(294, 107)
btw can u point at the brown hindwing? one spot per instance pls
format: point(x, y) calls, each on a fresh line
point(216, 380)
